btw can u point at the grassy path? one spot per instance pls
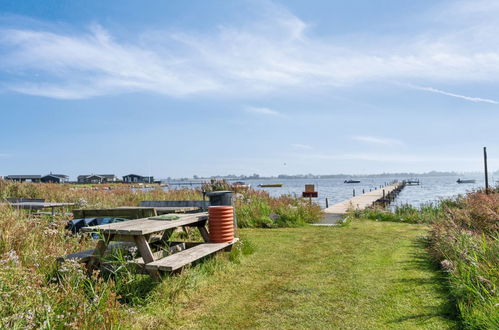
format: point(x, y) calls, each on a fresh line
point(366, 275)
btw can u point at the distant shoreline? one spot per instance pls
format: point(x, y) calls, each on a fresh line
point(326, 176)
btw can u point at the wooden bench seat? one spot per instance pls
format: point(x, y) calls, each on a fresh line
point(84, 256)
point(174, 247)
point(187, 256)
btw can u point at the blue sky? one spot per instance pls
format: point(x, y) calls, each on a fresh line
point(178, 88)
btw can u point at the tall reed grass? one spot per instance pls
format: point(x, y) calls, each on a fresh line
point(99, 196)
point(464, 242)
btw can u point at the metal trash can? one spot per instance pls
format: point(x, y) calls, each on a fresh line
point(220, 198)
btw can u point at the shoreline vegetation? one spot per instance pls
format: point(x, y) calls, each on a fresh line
point(283, 267)
point(463, 241)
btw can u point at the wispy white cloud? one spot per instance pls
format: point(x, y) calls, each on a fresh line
point(459, 96)
point(263, 111)
point(274, 52)
point(378, 140)
point(81, 66)
point(302, 146)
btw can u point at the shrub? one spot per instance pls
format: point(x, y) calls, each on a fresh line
point(258, 209)
point(466, 244)
point(426, 213)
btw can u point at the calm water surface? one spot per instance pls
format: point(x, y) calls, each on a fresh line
point(432, 189)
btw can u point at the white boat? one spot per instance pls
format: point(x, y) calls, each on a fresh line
point(466, 181)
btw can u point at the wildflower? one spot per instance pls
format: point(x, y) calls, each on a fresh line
point(12, 256)
point(50, 231)
point(29, 315)
point(82, 202)
point(447, 265)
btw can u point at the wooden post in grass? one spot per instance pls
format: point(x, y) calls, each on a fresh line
point(486, 171)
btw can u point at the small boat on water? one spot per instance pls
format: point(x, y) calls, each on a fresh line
point(270, 185)
point(412, 182)
point(465, 181)
point(241, 185)
point(352, 181)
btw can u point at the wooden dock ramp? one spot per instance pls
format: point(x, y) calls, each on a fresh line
point(360, 202)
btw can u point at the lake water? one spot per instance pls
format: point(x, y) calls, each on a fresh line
point(431, 189)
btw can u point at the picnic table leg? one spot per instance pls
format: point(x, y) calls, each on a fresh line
point(204, 232)
point(99, 251)
point(53, 211)
point(147, 256)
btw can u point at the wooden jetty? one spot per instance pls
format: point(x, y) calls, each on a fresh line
point(384, 195)
point(360, 202)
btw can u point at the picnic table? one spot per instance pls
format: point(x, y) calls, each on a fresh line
point(40, 205)
point(156, 230)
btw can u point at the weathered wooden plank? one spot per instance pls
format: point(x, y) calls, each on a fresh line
point(204, 233)
point(98, 253)
point(182, 209)
point(185, 257)
point(147, 256)
point(122, 212)
point(25, 200)
point(192, 203)
point(81, 256)
point(166, 210)
point(174, 247)
point(147, 226)
point(84, 256)
point(156, 227)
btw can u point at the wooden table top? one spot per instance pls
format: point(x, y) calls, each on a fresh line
point(163, 209)
point(146, 226)
point(41, 204)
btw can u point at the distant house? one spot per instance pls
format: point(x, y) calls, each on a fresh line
point(54, 178)
point(134, 178)
point(97, 178)
point(24, 178)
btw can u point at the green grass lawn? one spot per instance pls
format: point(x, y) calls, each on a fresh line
point(365, 275)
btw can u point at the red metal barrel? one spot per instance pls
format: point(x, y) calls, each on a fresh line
point(221, 223)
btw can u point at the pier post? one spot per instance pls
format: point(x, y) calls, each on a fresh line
point(486, 171)
point(354, 193)
point(363, 191)
point(327, 203)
